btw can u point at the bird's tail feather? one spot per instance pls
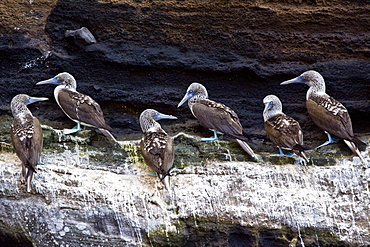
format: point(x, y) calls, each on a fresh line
point(29, 176)
point(31, 167)
point(107, 127)
point(301, 153)
point(165, 179)
point(354, 149)
point(108, 134)
point(357, 141)
point(246, 137)
point(246, 147)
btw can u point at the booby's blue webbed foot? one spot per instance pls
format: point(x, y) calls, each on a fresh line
point(213, 138)
point(153, 174)
point(282, 154)
point(41, 163)
point(290, 154)
point(173, 171)
point(209, 139)
point(70, 131)
point(73, 130)
point(329, 141)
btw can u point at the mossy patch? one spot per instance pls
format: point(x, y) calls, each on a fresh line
point(200, 231)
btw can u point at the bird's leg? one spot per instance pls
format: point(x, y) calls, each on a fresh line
point(29, 179)
point(24, 172)
point(290, 154)
point(41, 163)
point(153, 174)
point(214, 138)
point(73, 130)
point(220, 135)
point(173, 171)
point(281, 153)
point(329, 141)
point(78, 126)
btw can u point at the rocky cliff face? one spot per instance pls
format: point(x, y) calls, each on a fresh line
point(90, 194)
point(145, 56)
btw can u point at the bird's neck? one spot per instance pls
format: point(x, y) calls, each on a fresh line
point(150, 125)
point(267, 114)
point(316, 90)
point(20, 111)
point(196, 98)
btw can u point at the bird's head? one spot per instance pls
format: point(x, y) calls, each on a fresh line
point(21, 100)
point(64, 78)
point(311, 78)
point(195, 91)
point(273, 106)
point(149, 116)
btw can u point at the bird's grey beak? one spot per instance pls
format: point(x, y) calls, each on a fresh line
point(186, 98)
point(268, 106)
point(298, 79)
point(54, 81)
point(31, 100)
point(160, 116)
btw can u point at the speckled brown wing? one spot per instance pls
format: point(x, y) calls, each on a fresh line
point(331, 116)
point(37, 142)
point(27, 140)
point(284, 131)
point(158, 151)
point(81, 107)
point(217, 116)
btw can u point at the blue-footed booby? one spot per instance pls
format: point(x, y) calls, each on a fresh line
point(78, 107)
point(282, 130)
point(327, 113)
point(26, 134)
point(156, 145)
point(215, 116)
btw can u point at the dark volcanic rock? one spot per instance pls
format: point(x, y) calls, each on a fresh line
point(80, 38)
point(148, 52)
